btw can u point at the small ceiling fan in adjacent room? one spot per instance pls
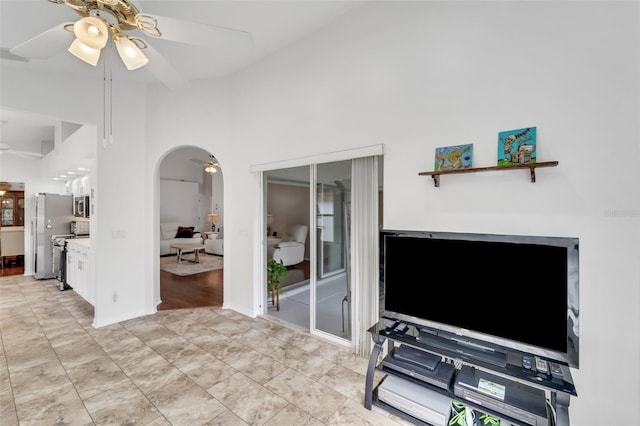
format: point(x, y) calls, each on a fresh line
point(122, 24)
point(6, 149)
point(211, 165)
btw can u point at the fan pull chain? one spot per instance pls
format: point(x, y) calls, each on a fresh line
point(107, 92)
point(104, 104)
point(111, 95)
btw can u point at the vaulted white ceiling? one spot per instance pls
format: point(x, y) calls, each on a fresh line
point(272, 24)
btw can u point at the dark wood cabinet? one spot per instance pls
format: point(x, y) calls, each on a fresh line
point(12, 211)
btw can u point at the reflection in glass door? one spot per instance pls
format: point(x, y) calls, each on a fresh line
point(316, 293)
point(332, 284)
point(330, 241)
point(287, 202)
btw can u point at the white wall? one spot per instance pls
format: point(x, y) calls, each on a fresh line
point(413, 76)
point(180, 202)
point(123, 215)
point(206, 127)
point(418, 75)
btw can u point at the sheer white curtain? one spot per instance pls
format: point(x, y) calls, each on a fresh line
point(364, 250)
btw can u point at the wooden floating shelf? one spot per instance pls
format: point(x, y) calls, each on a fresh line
point(531, 166)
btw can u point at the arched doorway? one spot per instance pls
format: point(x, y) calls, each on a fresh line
point(188, 196)
point(12, 236)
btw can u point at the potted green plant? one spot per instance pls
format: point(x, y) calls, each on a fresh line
point(276, 274)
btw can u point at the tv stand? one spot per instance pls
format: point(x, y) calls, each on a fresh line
point(463, 349)
point(499, 366)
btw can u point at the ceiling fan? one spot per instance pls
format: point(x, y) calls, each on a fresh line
point(6, 149)
point(211, 166)
point(102, 21)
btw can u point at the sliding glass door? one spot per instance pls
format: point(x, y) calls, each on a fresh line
point(315, 294)
point(331, 284)
point(333, 289)
point(287, 203)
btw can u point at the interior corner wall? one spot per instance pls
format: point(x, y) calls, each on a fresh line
point(123, 234)
point(119, 210)
point(41, 94)
point(217, 196)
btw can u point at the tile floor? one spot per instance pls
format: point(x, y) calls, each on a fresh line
point(181, 367)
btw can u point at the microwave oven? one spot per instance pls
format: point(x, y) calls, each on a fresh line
point(80, 227)
point(81, 206)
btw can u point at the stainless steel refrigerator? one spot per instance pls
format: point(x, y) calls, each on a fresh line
point(53, 216)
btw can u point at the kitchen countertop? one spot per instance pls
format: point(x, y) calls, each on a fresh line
point(81, 242)
point(12, 228)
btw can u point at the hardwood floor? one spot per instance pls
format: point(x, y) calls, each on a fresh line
point(190, 291)
point(12, 270)
point(206, 289)
point(12, 265)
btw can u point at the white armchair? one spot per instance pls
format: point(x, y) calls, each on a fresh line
point(291, 252)
point(214, 243)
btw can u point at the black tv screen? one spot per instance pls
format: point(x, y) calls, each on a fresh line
point(518, 292)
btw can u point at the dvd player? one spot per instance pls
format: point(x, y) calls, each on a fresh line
point(441, 376)
point(413, 399)
point(517, 400)
point(416, 356)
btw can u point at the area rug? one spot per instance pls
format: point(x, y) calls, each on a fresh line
point(207, 263)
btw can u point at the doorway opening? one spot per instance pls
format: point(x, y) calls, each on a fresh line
point(319, 198)
point(12, 228)
point(190, 195)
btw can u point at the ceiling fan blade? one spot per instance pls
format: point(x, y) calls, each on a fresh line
point(5, 53)
point(210, 36)
point(46, 44)
point(163, 71)
point(24, 154)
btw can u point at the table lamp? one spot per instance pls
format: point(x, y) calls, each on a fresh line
point(212, 218)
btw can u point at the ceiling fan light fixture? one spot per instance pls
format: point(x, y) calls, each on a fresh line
point(210, 167)
point(84, 52)
point(130, 53)
point(92, 31)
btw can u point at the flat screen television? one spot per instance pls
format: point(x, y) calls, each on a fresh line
point(493, 293)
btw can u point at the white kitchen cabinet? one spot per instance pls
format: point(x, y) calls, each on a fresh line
point(79, 268)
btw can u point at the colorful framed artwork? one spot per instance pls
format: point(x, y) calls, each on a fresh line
point(517, 146)
point(454, 157)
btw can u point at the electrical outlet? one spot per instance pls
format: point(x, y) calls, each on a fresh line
point(119, 234)
point(114, 297)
